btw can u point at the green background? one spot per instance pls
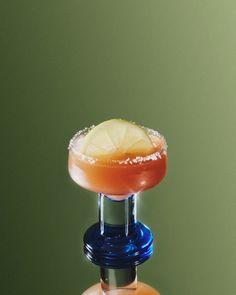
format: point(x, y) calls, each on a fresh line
point(169, 65)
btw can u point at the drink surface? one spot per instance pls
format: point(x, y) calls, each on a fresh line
point(118, 176)
point(142, 289)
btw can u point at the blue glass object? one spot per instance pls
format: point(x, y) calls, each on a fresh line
point(118, 241)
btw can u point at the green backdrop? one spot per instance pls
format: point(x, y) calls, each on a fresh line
point(169, 65)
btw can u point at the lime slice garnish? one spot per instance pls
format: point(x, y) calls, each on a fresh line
point(116, 139)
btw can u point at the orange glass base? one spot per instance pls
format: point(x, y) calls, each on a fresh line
point(142, 289)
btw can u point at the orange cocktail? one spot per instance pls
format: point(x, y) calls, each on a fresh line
point(118, 176)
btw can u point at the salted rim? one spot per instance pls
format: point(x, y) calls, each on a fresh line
point(137, 160)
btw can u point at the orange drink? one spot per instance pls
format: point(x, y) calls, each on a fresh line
point(122, 174)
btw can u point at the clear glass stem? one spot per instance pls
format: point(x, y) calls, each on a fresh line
point(115, 213)
point(118, 279)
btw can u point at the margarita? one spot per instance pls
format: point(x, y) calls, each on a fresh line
point(118, 173)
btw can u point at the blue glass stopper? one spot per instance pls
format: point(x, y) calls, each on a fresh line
point(118, 240)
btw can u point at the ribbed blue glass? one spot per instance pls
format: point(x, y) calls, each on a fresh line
point(118, 241)
point(116, 249)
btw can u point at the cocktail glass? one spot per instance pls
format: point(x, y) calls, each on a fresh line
point(118, 243)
